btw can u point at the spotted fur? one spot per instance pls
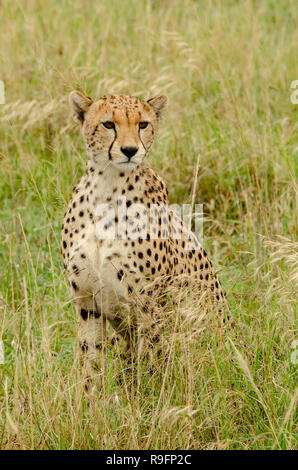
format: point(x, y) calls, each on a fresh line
point(110, 279)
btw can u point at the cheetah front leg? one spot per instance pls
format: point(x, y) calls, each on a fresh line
point(92, 337)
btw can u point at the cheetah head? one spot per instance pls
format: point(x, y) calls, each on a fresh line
point(117, 129)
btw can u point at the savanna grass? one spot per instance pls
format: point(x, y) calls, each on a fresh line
point(228, 141)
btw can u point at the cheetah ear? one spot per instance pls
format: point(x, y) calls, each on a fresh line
point(79, 103)
point(159, 104)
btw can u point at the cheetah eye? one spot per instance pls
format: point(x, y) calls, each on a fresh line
point(143, 124)
point(109, 124)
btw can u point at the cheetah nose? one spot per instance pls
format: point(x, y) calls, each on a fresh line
point(129, 151)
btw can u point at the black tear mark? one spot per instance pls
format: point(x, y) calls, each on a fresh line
point(142, 142)
point(110, 148)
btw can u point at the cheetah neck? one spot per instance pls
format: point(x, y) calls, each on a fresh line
point(106, 181)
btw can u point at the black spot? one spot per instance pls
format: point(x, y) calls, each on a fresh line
point(76, 269)
point(85, 314)
point(64, 244)
point(84, 346)
point(75, 287)
point(95, 129)
point(81, 213)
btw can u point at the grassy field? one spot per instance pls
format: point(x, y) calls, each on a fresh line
point(227, 67)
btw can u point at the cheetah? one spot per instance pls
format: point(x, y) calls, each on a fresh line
point(119, 238)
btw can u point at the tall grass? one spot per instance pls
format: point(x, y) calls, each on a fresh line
point(227, 67)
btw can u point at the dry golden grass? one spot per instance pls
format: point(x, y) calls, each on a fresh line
point(227, 67)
